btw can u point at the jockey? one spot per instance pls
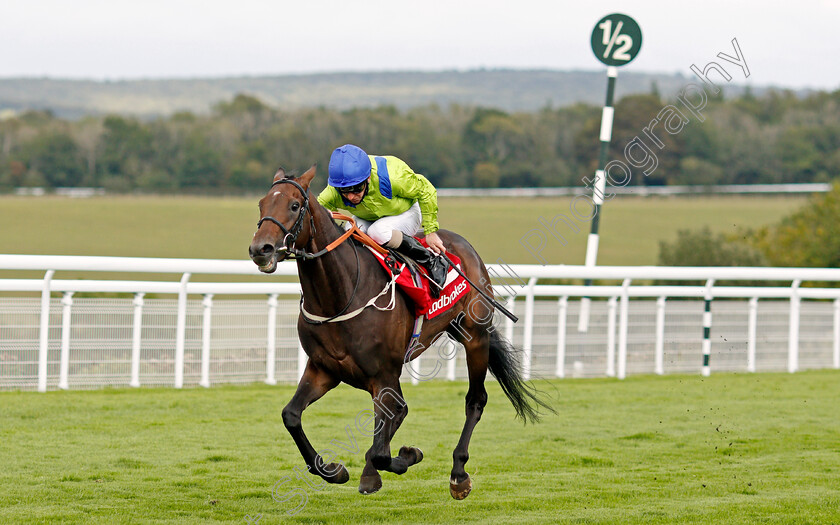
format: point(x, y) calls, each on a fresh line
point(390, 203)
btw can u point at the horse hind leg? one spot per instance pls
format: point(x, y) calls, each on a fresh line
point(313, 385)
point(477, 353)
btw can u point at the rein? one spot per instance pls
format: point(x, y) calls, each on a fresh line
point(290, 239)
point(317, 319)
point(292, 234)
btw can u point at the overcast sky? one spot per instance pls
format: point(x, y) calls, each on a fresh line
point(791, 44)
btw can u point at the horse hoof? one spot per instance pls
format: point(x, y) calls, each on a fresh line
point(341, 475)
point(412, 455)
point(370, 484)
point(460, 490)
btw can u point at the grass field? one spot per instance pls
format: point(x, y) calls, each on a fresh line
point(731, 448)
point(221, 228)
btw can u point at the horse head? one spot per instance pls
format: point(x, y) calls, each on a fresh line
point(282, 228)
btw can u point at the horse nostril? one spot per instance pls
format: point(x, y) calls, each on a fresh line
point(267, 249)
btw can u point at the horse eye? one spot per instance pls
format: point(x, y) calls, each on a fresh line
point(295, 206)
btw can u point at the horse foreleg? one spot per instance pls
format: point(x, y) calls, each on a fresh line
point(313, 385)
point(477, 351)
point(390, 409)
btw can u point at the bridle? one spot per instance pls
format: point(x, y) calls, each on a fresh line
point(291, 235)
point(290, 238)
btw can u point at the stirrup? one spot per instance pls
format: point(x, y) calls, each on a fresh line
point(436, 287)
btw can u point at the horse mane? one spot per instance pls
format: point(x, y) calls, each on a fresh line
point(338, 227)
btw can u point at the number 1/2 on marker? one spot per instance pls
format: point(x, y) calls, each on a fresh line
point(610, 38)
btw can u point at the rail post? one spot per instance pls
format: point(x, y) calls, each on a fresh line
point(64, 366)
point(44, 332)
point(271, 352)
point(837, 333)
point(206, 327)
point(612, 306)
point(414, 365)
point(660, 336)
point(527, 342)
point(451, 359)
point(136, 335)
point(510, 304)
point(751, 331)
point(622, 329)
point(301, 361)
point(562, 306)
point(180, 331)
point(707, 329)
point(793, 327)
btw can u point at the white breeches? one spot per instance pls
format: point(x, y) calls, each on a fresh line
point(409, 222)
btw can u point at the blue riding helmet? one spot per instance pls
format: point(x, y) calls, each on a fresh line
point(349, 166)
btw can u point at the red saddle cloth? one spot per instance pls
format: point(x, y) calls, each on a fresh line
point(454, 289)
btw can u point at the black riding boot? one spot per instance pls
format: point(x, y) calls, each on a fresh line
point(436, 265)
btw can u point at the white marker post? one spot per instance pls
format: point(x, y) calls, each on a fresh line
point(598, 192)
point(616, 40)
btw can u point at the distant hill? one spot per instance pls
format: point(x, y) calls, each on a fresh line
point(510, 90)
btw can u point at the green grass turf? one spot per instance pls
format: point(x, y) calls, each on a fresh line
point(731, 448)
point(221, 228)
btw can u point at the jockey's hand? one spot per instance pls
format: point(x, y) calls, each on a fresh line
point(435, 244)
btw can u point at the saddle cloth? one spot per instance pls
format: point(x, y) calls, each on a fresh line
point(418, 289)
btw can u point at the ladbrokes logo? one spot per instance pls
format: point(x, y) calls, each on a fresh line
point(448, 300)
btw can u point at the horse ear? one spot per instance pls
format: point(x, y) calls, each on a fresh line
point(281, 174)
point(307, 177)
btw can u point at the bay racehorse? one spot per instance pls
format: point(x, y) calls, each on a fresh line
point(365, 347)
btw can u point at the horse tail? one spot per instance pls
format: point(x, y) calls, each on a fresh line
point(505, 364)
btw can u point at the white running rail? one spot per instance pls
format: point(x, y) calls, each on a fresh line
point(54, 335)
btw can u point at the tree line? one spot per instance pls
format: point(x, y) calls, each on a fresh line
point(775, 138)
point(807, 237)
